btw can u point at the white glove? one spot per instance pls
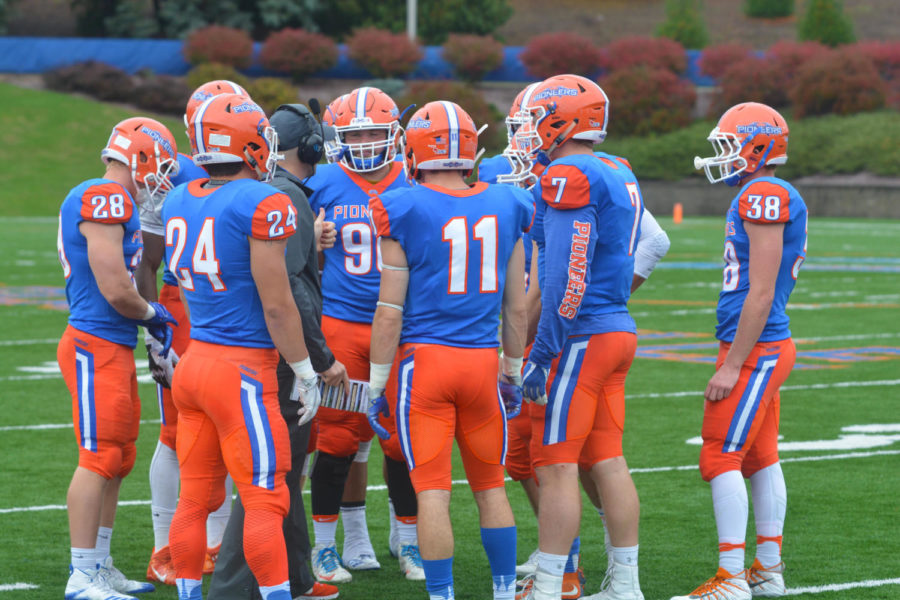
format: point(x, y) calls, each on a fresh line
point(161, 369)
point(306, 390)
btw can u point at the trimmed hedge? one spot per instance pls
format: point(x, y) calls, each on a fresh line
point(554, 53)
point(644, 101)
point(382, 53)
point(298, 53)
point(472, 56)
point(219, 44)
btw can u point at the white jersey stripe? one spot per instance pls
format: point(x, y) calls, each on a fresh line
point(453, 121)
point(257, 434)
point(756, 390)
point(555, 424)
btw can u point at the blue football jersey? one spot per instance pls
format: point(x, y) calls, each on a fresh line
point(489, 168)
point(591, 223)
point(100, 201)
point(351, 273)
point(765, 200)
point(458, 244)
point(208, 250)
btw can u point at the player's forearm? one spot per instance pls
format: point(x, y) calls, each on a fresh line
point(145, 279)
point(122, 296)
point(532, 310)
point(751, 323)
point(386, 328)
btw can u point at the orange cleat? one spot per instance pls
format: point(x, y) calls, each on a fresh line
point(161, 568)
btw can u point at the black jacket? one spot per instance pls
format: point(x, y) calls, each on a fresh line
point(302, 260)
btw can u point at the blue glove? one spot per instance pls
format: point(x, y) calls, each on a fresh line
point(512, 398)
point(159, 328)
point(378, 404)
point(534, 383)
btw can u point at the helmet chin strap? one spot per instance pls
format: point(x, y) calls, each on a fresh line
point(563, 135)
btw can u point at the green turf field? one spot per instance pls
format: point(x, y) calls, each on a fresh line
point(840, 421)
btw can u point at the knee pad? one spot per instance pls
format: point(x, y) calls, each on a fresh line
point(362, 453)
point(329, 474)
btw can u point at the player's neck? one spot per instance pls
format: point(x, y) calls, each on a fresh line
point(763, 172)
point(378, 174)
point(116, 171)
point(451, 180)
point(571, 148)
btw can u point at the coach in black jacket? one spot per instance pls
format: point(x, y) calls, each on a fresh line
point(301, 139)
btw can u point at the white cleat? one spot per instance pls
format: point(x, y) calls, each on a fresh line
point(723, 586)
point(117, 580)
point(766, 583)
point(411, 562)
point(529, 567)
point(621, 583)
point(365, 561)
point(327, 565)
point(89, 584)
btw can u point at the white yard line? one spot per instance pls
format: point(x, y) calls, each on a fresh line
point(382, 487)
point(839, 587)
point(15, 587)
point(813, 386)
point(29, 342)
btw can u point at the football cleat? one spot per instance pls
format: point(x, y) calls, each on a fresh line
point(90, 584)
point(319, 591)
point(117, 580)
point(161, 568)
point(766, 583)
point(363, 562)
point(529, 566)
point(722, 586)
point(620, 583)
point(209, 561)
point(327, 566)
point(572, 586)
point(411, 562)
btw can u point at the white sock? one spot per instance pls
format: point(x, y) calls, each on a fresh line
point(355, 526)
point(552, 564)
point(362, 452)
point(163, 492)
point(392, 520)
point(626, 555)
point(84, 558)
point(217, 521)
point(769, 507)
point(729, 495)
point(101, 550)
point(549, 575)
point(265, 591)
point(324, 532)
point(406, 533)
point(606, 541)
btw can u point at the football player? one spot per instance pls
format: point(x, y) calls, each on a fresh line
point(765, 244)
point(164, 465)
point(585, 339)
point(99, 245)
point(368, 130)
point(225, 244)
point(447, 249)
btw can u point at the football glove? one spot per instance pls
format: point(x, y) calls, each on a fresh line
point(158, 326)
point(378, 404)
point(511, 394)
point(534, 383)
point(161, 369)
point(306, 392)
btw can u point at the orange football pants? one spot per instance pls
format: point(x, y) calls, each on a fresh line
point(106, 408)
point(171, 299)
point(445, 393)
point(740, 432)
point(584, 417)
point(230, 421)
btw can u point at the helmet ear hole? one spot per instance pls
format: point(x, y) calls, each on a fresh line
point(758, 149)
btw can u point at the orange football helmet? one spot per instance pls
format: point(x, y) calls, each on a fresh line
point(207, 91)
point(747, 137)
point(523, 142)
point(440, 135)
point(367, 108)
point(231, 128)
point(148, 149)
point(568, 107)
point(332, 147)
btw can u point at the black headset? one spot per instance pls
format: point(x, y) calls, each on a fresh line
point(310, 136)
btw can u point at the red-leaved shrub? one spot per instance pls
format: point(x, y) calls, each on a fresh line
point(298, 52)
point(886, 56)
point(786, 58)
point(219, 44)
point(644, 100)
point(715, 60)
point(841, 82)
point(749, 80)
point(472, 56)
point(468, 98)
point(655, 53)
point(557, 53)
point(382, 53)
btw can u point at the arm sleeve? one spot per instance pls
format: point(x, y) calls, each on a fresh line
point(107, 203)
point(569, 240)
point(765, 202)
point(652, 246)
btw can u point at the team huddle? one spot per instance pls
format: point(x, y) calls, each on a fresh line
point(410, 290)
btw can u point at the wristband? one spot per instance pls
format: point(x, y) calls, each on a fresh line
point(150, 312)
point(512, 366)
point(303, 369)
point(378, 376)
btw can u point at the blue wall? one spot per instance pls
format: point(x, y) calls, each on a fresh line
point(36, 55)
